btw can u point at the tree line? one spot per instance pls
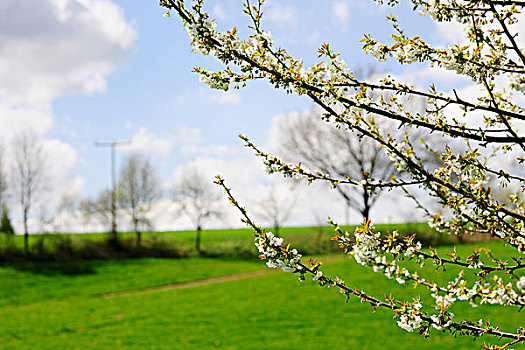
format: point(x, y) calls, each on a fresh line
point(24, 184)
point(139, 187)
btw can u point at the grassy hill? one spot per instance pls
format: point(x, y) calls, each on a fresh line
point(62, 306)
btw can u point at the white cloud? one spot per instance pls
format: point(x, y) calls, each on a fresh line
point(56, 149)
point(429, 75)
point(189, 140)
point(288, 28)
point(60, 183)
point(75, 187)
point(224, 97)
point(450, 32)
point(518, 28)
point(185, 134)
point(453, 32)
point(341, 12)
point(241, 173)
point(16, 119)
point(219, 13)
point(209, 150)
point(281, 15)
point(148, 142)
point(51, 47)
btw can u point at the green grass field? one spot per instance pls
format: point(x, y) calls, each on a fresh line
point(231, 234)
point(233, 243)
point(56, 306)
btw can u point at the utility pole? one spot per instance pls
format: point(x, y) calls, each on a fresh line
point(112, 145)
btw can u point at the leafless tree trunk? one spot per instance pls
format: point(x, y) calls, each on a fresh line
point(276, 207)
point(29, 175)
point(337, 152)
point(198, 199)
point(3, 178)
point(3, 192)
point(138, 187)
point(98, 209)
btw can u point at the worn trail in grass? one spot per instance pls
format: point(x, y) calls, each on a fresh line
point(35, 282)
point(195, 283)
point(191, 283)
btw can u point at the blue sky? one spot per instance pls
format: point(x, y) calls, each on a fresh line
point(116, 69)
point(153, 87)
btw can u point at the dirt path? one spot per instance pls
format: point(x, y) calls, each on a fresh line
point(234, 277)
point(180, 285)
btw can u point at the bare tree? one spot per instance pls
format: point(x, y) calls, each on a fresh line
point(198, 199)
point(138, 187)
point(5, 223)
point(29, 175)
point(3, 178)
point(337, 152)
point(61, 218)
point(277, 205)
point(98, 209)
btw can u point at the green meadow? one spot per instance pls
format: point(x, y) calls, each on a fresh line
point(225, 243)
point(118, 304)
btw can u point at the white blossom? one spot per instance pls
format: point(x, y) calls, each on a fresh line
point(318, 275)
